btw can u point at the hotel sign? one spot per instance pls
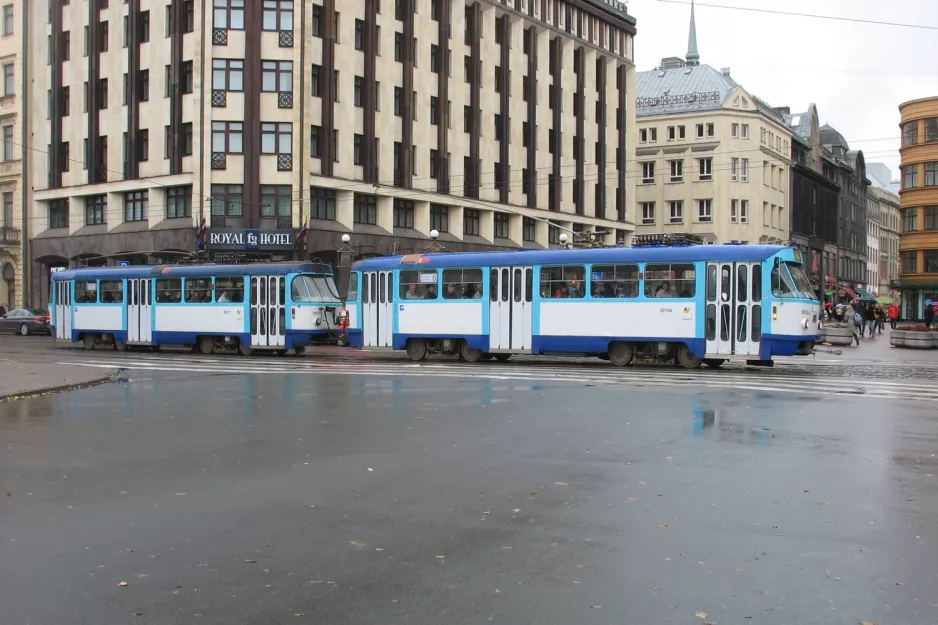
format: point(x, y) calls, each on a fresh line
point(687, 98)
point(616, 5)
point(238, 240)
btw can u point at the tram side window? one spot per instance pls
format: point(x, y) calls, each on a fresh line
point(198, 290)
point(352, 287)
point(782, 283)
point(563, 282)
point(675, 281)
point(112, 292)
point(419, 285)
point(229, 290)
point(169, 291)
point(86, 292)
point(462, 284)
point(614, 281)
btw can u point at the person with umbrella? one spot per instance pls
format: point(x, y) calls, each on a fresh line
point(929, 313)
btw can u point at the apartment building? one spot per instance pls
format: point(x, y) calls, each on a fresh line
point(712, 159)
point(874, 224)
point(918, 241)
point(11, 125)
point(888, 201)
point(282, 126)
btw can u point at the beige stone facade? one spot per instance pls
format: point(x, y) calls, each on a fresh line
point(717, 168)
point(11, 159)
point(255, 118)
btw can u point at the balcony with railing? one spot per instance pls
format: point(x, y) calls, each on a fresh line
point(10, 236)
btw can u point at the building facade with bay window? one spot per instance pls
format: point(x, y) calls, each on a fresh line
point(484, 120)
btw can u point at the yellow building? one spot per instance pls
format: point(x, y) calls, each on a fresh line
point(712, 159)
point(918, 241)
point(11, 213)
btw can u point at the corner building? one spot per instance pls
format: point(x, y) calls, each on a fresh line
point(384, 120)
point(12, 53)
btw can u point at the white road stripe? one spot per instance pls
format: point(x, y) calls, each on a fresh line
point(823, 387)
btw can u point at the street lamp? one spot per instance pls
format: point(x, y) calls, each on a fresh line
point(563, 239)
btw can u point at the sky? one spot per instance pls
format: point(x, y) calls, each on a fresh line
point(856, 74)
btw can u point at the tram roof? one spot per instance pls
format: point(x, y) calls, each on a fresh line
point(611, 255)
point(181, 271)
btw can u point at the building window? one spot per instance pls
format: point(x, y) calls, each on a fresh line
point(227, 74)
point(931, 174)
point(931, 217)
point(316, 27)
point(398, 100)
point(8, 143)
point(321, 203)
point(501, 226)
point(529, 226)
point(435, 60)
point(439, 217)
point(931, 130)
point(706, 168)
point(677, 171)
point(705, 210)
point(135, 206)
point(7, 19)
point(357, 149)
point(471, 219)
point(909, 262)
point(745, 131)
point(58, 213)
point(95, 210)
point(648, 213)
point(228, 137)
point(277, 76)
point(9, 79)
point(359, 34)
point(910, 176)
point(179, 202)
point(276, 200)
point(314, 79)
point(143, 145)
point(931, 261)
point(434, 164)
point(227, 200)
point(744, 170)
point(910, 134)
point(229, 14)
point(677, 212)
point(357, 86)
point(278, 15)
point(315, 134)
point(648, 173)
point(366, 209)
point(403, 213)
point(276, 138)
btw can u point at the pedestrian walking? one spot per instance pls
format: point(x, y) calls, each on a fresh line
point(854, 320)
point(929, 313)
point(877, 319)
point(893, 315)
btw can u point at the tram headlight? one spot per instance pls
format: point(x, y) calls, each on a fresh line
point(774, 313)
point(805, 322)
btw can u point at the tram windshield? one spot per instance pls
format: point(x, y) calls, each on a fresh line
point(790, 281)
point(308, 288)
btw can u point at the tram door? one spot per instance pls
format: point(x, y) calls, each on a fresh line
point(268, 312)
point(510, 307)
point(378, 308)
point(139, 303)
point(63, 309)
point(734, 309)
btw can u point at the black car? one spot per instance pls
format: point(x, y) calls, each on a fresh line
point(25, 321)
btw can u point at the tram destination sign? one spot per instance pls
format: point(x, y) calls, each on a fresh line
point(233, 239)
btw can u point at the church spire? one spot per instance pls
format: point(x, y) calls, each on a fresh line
point(693, 58)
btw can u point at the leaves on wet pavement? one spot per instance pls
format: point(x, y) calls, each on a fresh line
point(356, 543)
point(268, 545)
point(663, 526)
point(122, 584)
point(251, 561)
point(701, 615)
point(864, 621)
point(561, 484)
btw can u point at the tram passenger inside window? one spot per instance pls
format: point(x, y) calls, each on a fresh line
point(412, 292)
point(451, 292)
point(431, 292)
point(664, 290)
point(223, 297)
point(473, 291)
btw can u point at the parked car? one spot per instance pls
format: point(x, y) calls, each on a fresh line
point(25, 321)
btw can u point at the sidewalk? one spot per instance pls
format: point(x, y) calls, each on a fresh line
point(879, 349)
point(19, 378)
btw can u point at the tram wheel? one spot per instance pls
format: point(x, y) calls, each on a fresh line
point(120, 346)
point(245, 350)
point(299, 350)
point(468, 354)
point(416, 349)
point(502, 357)
point(714, 363)
point(88, 341)
point(206, 344)
point(687, 359)
point(621, 354)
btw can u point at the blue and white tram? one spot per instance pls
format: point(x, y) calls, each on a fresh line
point(272, 306)
point(697, 304)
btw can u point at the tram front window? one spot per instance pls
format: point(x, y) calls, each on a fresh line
point(314, 289)
point(789, 281)
point(802, 284)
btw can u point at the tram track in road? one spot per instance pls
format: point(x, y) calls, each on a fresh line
point(740, 379)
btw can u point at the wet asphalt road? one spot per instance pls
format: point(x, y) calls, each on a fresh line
point(253, 499)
